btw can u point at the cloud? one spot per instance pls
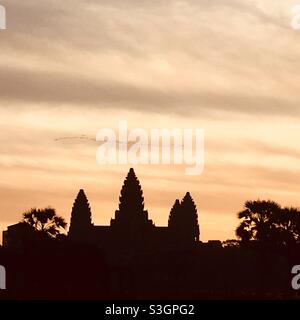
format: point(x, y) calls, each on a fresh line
point(28, 86)
point(180, 56)
point(229, 66)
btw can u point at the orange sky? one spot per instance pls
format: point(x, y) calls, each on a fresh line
point(71, 68)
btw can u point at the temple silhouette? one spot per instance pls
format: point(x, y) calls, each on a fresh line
point(134, 259)
point(131, 229)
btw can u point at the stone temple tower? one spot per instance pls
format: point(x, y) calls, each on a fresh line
point(131, 223)
point(81, 222)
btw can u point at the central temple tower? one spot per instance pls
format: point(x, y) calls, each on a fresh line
point(131, 221)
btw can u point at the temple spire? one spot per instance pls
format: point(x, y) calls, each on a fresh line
point(131, 204)
point(174, 217)
point(183, 222)
point(131, 198)
point(81, 221)
point(190, 217)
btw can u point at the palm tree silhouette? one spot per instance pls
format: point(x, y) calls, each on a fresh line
point(45, 221)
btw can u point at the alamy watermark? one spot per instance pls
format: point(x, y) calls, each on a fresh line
point(296, 278)
point(2, 18)
point(155, 146)
point(2, 278)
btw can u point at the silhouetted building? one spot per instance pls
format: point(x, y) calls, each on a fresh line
point(81, 221)
point(14, 238)
point(183, 221)
point(134, 259)
point(214, 244)
point(131, 228)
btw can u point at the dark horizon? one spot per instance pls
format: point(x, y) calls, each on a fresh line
point(134, 259)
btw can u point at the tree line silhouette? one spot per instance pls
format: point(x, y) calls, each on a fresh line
point(267, 224)
point(134, 259)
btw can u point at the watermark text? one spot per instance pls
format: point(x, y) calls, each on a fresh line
point(155, 146)
point(2, 18)
point(296, 278)
point(2, 278)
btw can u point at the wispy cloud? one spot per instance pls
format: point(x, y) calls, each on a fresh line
point(228, 66)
